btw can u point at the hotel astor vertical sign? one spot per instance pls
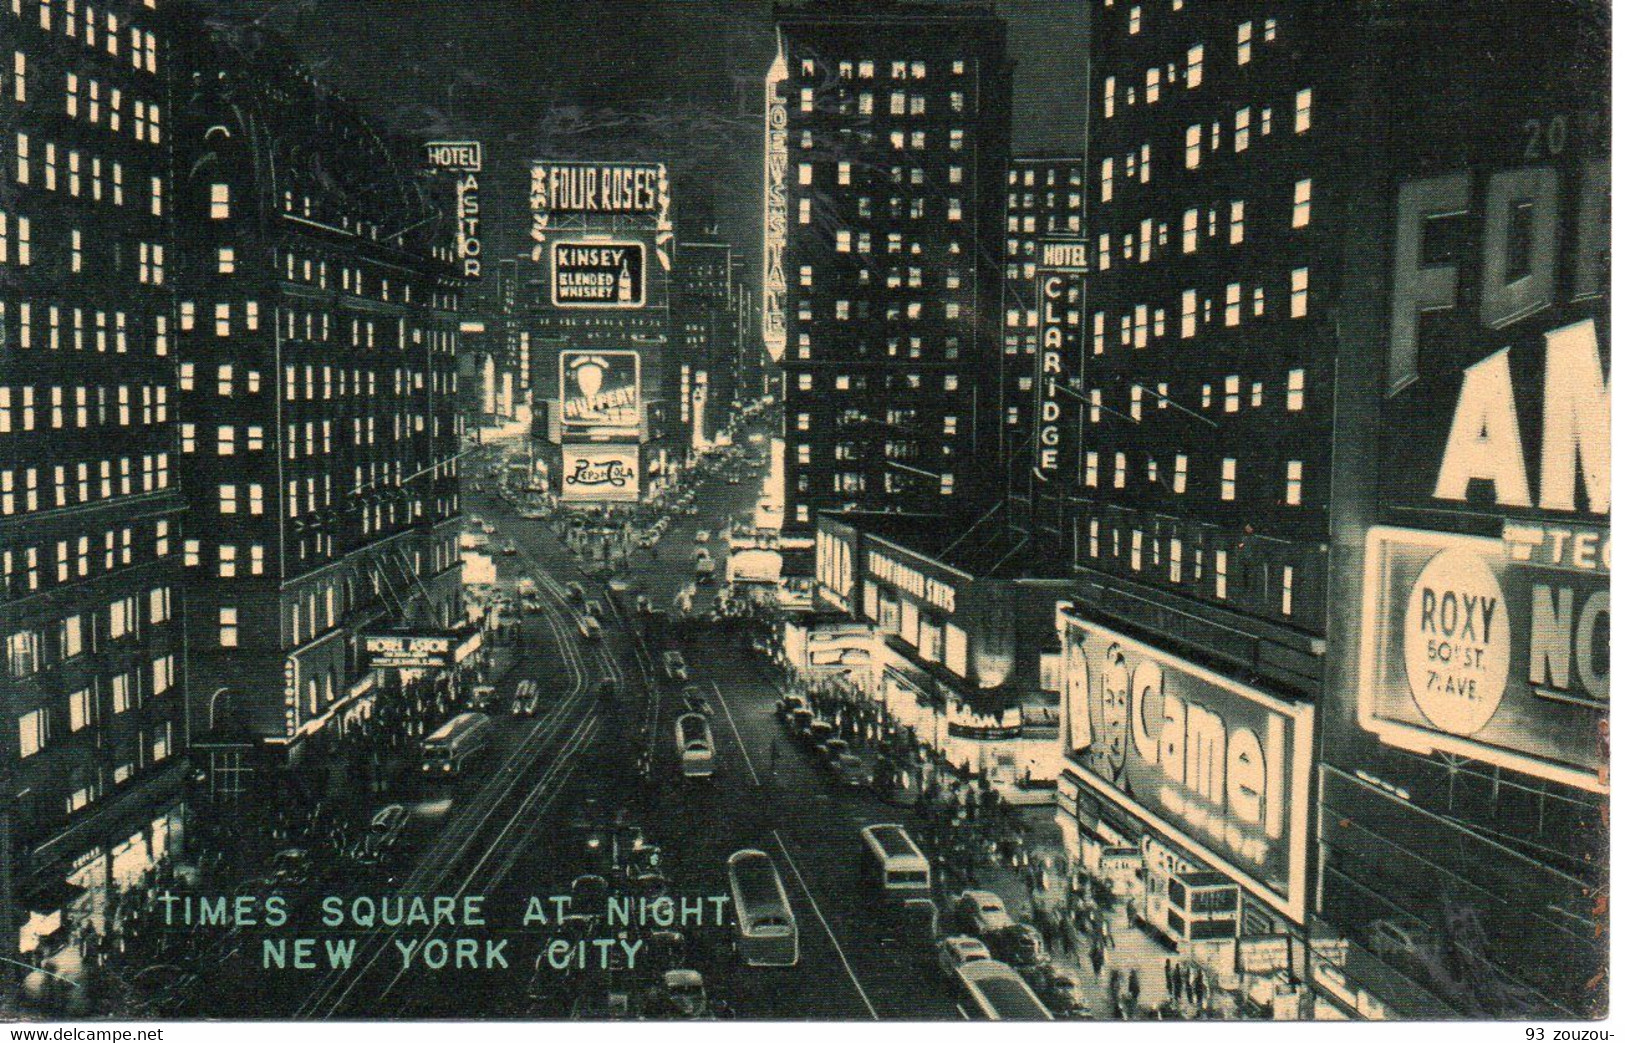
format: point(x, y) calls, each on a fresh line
point(1060, 286)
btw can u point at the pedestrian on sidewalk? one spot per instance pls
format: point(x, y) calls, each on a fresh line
point(1097, 958)
point(1134, 986)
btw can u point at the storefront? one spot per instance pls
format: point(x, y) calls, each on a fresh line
point(1185, 791)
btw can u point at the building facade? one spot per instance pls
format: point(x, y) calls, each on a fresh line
point(94, 687)
point(1189, 483)
point(705, 334)
point(888, 141)
point(317, 336)
point(1339, 318)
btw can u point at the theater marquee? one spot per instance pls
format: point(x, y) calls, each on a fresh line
point(1213, 765)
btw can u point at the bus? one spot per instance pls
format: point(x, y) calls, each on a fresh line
point(764, 928)
point(998, 993)
point(454, 742)
point(695, 747)
point(894, 861)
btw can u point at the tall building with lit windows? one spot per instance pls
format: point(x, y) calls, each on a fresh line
point(1334, 666)
point(93, 692)
point(317, 328)
point(885, 201)
point(1192, 477)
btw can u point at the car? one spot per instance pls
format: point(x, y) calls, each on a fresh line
point(799, 721)
point(957, 950)
point(526, 698)
point(383, 833)
point(702, 536)
point(488, 529)
point(833, 749)
point(590, 628)
point(508, 547)
point(1061, 989)
point(483, 697)
point(676, 669)
point(696, 702)
point(817, 733)
point(645, 606)
point(595, 610)
point(533, 602)
point(574, 592)
point(1020, 945)
point(476, 521)
point(982, 912)
point(733, 479)
point(789, 705)
point(849, 770)
point(683, 993)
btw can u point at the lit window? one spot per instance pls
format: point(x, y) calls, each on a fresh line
point(1244, 43)
point(1244, 122)
point(228, 499)
point(1153, 85)
point(31, 732)
point(227, 260)
point(1294, 483)
point(1300, 292)
point(219, 202)
point(1300, 202)
point(1232, 304)
point(228, 561)
point(1189, 228)
point(1232, 394)
point(1286, 590)
point(1091, 475)
point(1109, 101)
point(1221, 574)
point(1133, 21)
point(1119, 470)
point(1306, 100)
point(1193, 67)
point(1227, 479)
point(1106, 180)
point(1193, 146)
point(1187, 314)
point(228, 627)
point(1176, 561)
point(1294, 390)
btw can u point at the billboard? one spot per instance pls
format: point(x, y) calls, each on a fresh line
point(776, 211)
point(1490, 649)
point(1060, 355)
point(1211, 764)
point(600, 389)
point(594, 274)
point(422, 650)
point(568, 195)
point(600, 473)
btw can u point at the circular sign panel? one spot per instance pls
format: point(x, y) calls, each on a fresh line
point(1457, 642)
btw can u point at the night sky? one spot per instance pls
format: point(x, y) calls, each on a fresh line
point(678, 81)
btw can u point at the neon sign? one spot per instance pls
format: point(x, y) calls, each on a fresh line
point(776, 216)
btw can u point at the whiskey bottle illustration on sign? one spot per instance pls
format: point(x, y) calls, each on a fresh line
point(623, 289)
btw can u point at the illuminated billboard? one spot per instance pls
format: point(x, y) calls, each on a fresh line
point(569, 196)
point(1216, 766)
point(1060, 355)
point(600, 473)
point(600, 389)
point(1490, 649)
point(776, 211)
point(593, 274)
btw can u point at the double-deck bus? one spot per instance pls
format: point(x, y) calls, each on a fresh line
point(996, 992)
point(453, 743)
point(894, 862)
point(695, 748)
point(764, 926)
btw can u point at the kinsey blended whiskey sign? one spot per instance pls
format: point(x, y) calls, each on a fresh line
point(1218, 767)
point(600, 472)
point(599, 389)
point(598, 275)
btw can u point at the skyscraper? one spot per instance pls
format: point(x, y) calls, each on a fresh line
point(888, 142)
point(317, 335)
point(94, 698)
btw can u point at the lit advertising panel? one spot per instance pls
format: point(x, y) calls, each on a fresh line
point(776, 211)
point(600, 473)
point(594, 274)
point(1060, 353)
point(1213, 765)
point(600, 390)
point(570, 196)
point(1490, 649)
